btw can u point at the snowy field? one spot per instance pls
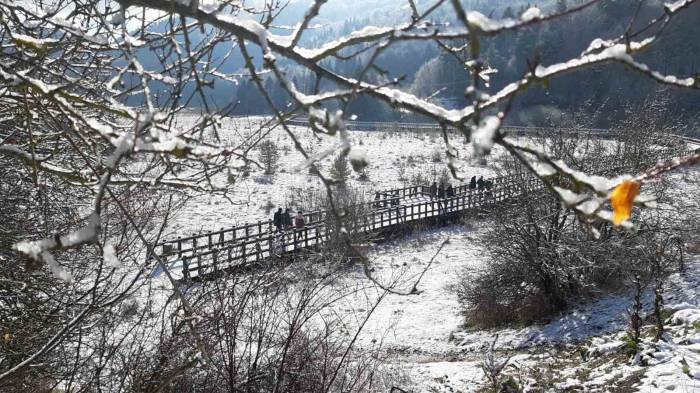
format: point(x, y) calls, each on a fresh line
point(422, 336)
point(255, 195)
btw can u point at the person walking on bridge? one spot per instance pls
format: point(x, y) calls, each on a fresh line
point(472, 183)
point(299, 220)
point(277, 219)
point(433, 190)
point(377, 201)
point(441, 197)
point(480, 183)
point(287, 219)
point(450, 193)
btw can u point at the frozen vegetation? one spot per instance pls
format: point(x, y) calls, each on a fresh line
point(131, 131)
point(422, 338)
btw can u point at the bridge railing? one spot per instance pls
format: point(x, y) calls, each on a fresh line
point(252, 242)
point(187, 245)
point(256, 248)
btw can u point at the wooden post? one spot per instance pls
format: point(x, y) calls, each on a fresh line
point(209, 238)
point(185, 269)
point(258, 249)
point(179, 247)
point(221, 236)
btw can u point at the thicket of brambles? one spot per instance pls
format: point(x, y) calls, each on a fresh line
point(95, 160)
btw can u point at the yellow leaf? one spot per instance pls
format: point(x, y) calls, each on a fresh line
point(7, 337)
point(622, 198)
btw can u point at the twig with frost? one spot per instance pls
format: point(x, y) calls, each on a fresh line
point(492, 366)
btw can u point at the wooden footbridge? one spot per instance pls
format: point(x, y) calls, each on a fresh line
point(231, 248)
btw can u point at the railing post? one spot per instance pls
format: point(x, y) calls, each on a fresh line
point(179, 247)
point(185, 269)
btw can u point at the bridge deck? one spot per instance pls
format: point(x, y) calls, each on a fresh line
point(207, 253)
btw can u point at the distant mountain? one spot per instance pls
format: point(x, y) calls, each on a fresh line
point(426, 71)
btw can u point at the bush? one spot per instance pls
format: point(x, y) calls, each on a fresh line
point(539, 259)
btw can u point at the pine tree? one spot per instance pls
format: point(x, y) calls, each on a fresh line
point(268, 155)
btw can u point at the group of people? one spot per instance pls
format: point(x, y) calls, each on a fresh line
point(479, 184)
point(283, 220)
point(441, 192)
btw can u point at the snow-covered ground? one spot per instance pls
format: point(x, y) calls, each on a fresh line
point(422, 335)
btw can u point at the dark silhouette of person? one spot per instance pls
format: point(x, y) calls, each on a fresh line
point(480, 183)
point(472, 183)
point(433, 190)
point(287, 219)
point(450, 193)
point(395, 202)
point(277, 219)
point(441, 196)
point(299, 220)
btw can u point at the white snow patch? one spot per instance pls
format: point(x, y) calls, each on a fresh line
point(530, 14)
point(483, 136)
